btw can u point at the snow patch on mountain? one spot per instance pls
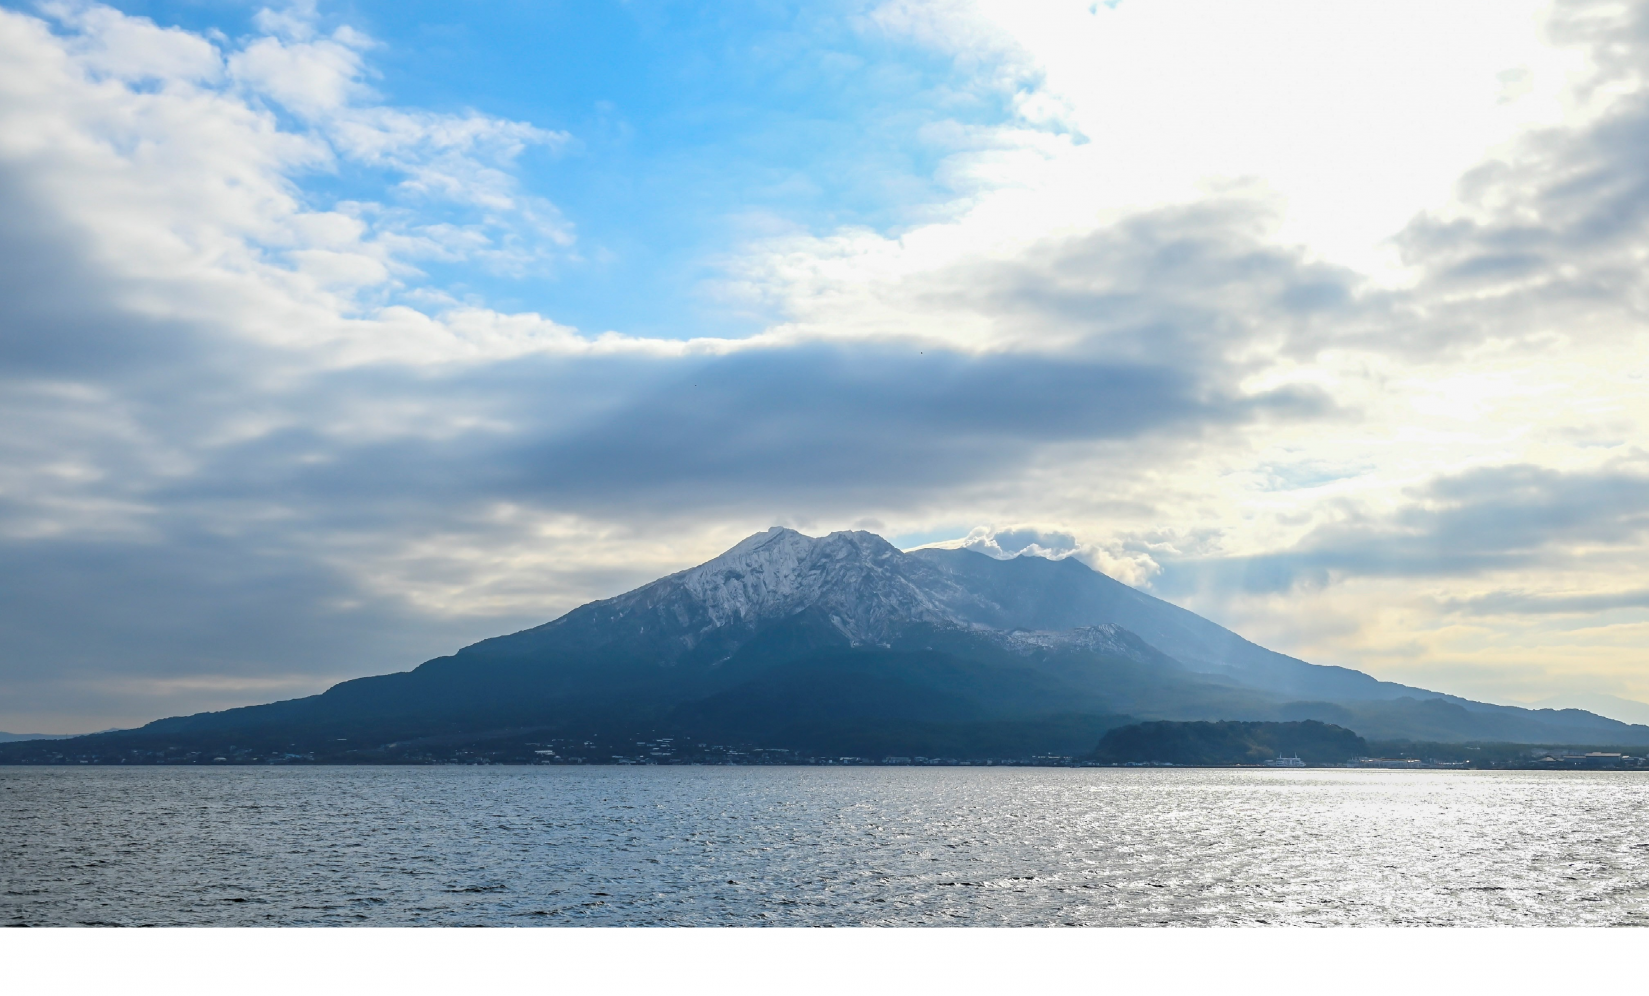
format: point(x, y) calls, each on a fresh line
point(862, 581)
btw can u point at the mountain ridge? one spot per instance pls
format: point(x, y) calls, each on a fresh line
point(831, 641)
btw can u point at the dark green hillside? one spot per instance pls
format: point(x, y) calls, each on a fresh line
point(1225, 743)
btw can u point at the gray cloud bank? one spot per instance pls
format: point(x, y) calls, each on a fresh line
point(1484, 520)
point(159, 556)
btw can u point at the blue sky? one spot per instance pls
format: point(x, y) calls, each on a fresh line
point(691, 130)
point(336, 336)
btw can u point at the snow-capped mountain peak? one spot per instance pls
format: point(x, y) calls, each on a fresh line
point(860, 579)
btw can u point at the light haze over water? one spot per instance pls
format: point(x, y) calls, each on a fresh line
point(620, 846)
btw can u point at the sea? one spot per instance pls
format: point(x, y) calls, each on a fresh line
point(819, 846)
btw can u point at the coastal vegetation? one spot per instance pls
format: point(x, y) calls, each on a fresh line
point(1229, 742)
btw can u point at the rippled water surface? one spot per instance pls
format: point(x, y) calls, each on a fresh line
point(846, 846)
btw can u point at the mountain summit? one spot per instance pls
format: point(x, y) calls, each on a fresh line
point(846, 644)
point(866, 587)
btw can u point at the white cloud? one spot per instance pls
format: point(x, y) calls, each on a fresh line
point(1351, 115)
point(1135, 568)
point(161, 150)
point(312, 78)
point(110, 45)
point(1466, 178)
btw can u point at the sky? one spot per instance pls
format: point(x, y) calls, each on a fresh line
point(336, 336)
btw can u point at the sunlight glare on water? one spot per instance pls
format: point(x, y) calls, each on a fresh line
point(619, 846)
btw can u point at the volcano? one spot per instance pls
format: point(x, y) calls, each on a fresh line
point(803, 646)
